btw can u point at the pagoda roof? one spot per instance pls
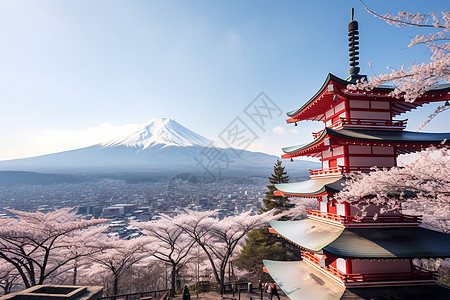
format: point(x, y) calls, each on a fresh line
point(314, 186)
point(370, 136)
point(330, 78)
point(307, 233)
point(365, 243)
point(308, 111)
point(298, 280)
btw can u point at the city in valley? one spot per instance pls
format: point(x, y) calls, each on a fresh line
point(119, 199)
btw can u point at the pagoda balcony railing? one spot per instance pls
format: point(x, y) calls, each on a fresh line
point(317, 134)
point(417, 273)
point(329, 269)
point(351, 122)
point(364, 220)
point(337, 170)
point(360, 123)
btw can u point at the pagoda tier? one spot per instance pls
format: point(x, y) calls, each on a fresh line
point(315, 187)
point(301, 280)
point(364, 243)
point(335, 100)
point(357, 257)
point(345, 150)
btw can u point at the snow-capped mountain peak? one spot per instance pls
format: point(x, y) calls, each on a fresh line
point(160, 131)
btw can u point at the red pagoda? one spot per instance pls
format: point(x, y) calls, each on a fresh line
point(346, 257)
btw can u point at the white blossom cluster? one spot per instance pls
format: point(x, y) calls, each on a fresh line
point(412, 82)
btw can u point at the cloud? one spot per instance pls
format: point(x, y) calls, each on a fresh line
point(72, 139)
point(279, 130)
point(57, 140)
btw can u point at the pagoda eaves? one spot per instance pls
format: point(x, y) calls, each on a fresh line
point(408, 141)
point(334, 92)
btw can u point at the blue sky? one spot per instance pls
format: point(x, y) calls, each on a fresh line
point(74, 73)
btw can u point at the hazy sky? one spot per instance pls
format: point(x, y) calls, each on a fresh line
point(75, 73)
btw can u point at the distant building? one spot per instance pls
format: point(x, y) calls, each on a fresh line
point(94, 210)
point(118, 210)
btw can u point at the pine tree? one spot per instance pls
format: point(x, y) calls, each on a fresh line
point(270, 201)
point(260, 243)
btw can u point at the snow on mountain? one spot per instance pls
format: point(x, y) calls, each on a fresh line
point(160, 131)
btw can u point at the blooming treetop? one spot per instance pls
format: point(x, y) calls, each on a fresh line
point(219, 238)
point(169, 242)
point(428, 177)
point(414, 81)
point(35, 243)
point(118, 257)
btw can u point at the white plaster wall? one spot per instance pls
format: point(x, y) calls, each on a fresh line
point(339, 107)
point(368, 266)
point(382, 150)
point(378, 115)
point(340, 161)
point(341, 265)
point(357, 149)
point(323, 206)
point(326, 154)
point(359, 104)
point(363, 161)
point(340, 209)
point(338, 150)
point(329, 113)
point(379, 105)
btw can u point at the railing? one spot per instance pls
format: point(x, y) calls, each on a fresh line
point(326, 215)
point(417, 273)
point(338, 170)
point(157, 294)
point(400, 124)
point(329, 269)
point(317, 134)
point(329, 171)
point(385, 219)
point(364, 220)
point(349, 122)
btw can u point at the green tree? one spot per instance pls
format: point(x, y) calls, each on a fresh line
point(261, 244)
point(270, 201)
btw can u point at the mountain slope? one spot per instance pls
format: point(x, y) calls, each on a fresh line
point(161, 146)
point(162, 131)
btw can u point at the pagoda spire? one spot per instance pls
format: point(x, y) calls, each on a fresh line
point(353, 42)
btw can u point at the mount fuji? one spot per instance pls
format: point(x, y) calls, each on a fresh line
point(160, 146)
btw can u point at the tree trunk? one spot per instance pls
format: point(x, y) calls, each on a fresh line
point(173, 283)
point(75, 271)
point(222, 280)
point(116, 285)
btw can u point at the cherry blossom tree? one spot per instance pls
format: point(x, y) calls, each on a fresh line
point(37, 244)
point(8, 277)
point(423, 186)
point(170, 242)
point(219, 238)
point(416, 80)
point(118, 257)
